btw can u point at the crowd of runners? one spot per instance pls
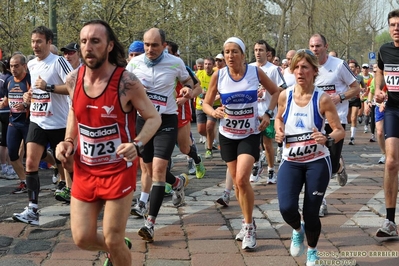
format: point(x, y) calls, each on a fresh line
point(97, 115)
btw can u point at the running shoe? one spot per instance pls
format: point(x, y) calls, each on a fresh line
point(60, 186)
point(178, 196)
point(190, 166)
point(28, 216)
point(147, 231)
point(200, 169)
point(352, 141)
point(21, 188)
point(208, 154)
point(382, 159)
point(215, 145)
point(241, 234)
point(360, 119)
point(64, 195)
point(107, 255)
point(279, 154)
point(272, 178)
point(297, 246)
point(257, 170)
point(262, 157)
point(249, 241)
point(342, 176)
point(366, 129)
point(312, 258)
point(139, 209)
point(372, 139)
point(168, 190)
point(202, 139)
point(323, 208)
point(4, 170)
point(11, 174)
point(388, 229)
point(224, 199)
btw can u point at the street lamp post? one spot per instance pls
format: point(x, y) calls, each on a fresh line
point(52, 16)
point(286, 37)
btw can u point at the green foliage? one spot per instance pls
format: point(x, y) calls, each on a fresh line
point(200, 27)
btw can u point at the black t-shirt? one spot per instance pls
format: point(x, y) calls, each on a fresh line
point(388, 61)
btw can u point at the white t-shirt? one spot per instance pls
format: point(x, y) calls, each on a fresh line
point(335, 77)
point(49, 110)
point(160, 80)
point(289, 77)
point(274, 73)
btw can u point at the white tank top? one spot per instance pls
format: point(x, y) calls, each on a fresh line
point(240, 101)
point(299, 121)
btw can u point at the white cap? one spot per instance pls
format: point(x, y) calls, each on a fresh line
point(219, 56)
point(365, 66)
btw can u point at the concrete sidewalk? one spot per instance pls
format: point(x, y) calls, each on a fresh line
point(202, 232)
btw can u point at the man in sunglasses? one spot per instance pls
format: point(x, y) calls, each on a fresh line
point(71, 54)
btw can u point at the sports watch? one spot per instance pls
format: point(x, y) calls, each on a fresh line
point(341, 97)
point(139, 147)
point(270, 113)
point(329, 142)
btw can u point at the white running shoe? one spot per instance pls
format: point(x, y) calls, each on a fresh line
point(297, 246)
point(28, 216)
point(191, 166)
point(388, 229)
point(323, 208)
point(249, 241)
point(257, 170)
point(382, 159)
point(272, 179)
point(178, 196)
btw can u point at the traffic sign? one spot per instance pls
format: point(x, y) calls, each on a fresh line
point(371, 55)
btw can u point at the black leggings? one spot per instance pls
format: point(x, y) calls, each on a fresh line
point(291, 178)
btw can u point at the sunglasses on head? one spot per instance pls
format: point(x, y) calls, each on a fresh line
point(307, 51)
point(69, 52)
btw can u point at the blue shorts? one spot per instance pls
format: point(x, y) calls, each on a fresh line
point(378, 115)
point(15, 134)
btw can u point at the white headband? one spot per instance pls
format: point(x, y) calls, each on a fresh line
point(237, 41)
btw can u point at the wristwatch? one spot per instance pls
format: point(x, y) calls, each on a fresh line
point(270, 113)
point(341, 97)
point(50, 88)
point(329, 142)
point(139, 147)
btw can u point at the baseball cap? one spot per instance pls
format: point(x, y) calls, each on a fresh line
point(365, 66)
point(284, 61)
point(73, 46)
point(219, 56)
point(136, 47)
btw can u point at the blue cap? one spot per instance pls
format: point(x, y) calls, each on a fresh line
point(136, 47)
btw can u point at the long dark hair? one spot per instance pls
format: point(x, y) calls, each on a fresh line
point(117, 55)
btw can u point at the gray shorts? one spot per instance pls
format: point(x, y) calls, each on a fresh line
point(202, 117)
